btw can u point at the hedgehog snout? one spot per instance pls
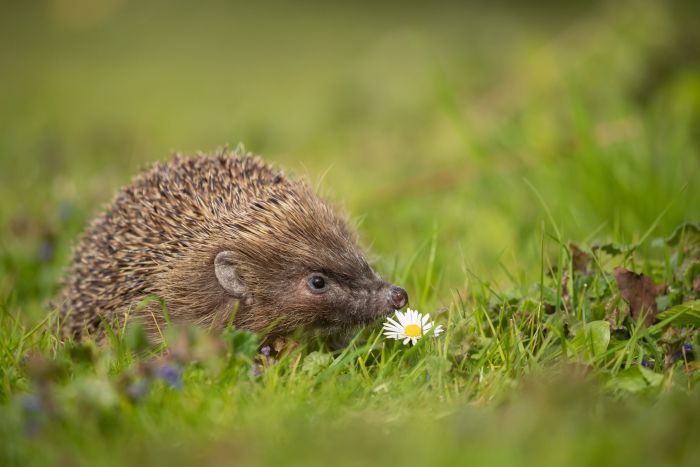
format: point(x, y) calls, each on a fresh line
point(398, 298)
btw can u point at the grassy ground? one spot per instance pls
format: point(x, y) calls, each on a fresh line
point(474, 144)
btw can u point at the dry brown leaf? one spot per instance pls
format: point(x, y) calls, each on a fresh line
point(639, 291)
point(581, 260)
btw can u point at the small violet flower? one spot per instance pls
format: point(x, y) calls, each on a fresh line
point(171, 374)
point(137, 391)
point(646, 363)
point(255, 371)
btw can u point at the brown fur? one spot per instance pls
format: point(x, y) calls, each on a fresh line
point(160, 235)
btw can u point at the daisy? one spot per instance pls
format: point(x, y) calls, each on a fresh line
point(410, 326)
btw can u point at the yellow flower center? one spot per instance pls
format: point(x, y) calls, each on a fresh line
point(412, 330)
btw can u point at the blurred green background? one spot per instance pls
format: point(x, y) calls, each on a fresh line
point(422, 119)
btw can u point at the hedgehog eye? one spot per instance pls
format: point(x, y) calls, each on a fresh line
point(317, 283)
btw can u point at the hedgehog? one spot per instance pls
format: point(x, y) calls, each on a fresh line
point(222, 239)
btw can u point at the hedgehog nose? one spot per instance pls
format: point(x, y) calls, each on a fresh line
point(398, 297)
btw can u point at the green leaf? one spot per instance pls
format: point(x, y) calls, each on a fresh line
point(653, 379)
point(684, 230)
point(136, 339)
point(316, 362)
point(685, 314)
point(81, 352)
point(692, 271)
point(591, 339)
point(636, 379)
point(91, 392)
point(615, 249)
point(242, 342)
point(437, 366)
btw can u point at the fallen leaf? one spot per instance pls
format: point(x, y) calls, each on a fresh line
point(591, 340)
point(284, 345)
point(639, 291)
point(565, 296)
point(661, 289)
point(581, 261)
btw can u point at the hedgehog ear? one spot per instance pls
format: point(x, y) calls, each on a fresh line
point(225, 270)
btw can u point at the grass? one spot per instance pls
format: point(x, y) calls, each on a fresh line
point(475, 142)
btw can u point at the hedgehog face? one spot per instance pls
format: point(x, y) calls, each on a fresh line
point(295, 263)
point(342, 301)
point(285, 296)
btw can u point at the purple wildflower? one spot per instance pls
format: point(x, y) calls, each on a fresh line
point(255, 371)
point(265, 351)
point(685, 353)
point(646, 363)
point(171, 374)
point(33, 408)
point(32, 404)
point(137, 391)
point(46, 252)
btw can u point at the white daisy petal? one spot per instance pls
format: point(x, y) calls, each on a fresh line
point(426, 319)
point(401, 317)
point(391, 323)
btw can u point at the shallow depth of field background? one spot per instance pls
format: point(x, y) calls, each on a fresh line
point(418, 119)
point(425, 122)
